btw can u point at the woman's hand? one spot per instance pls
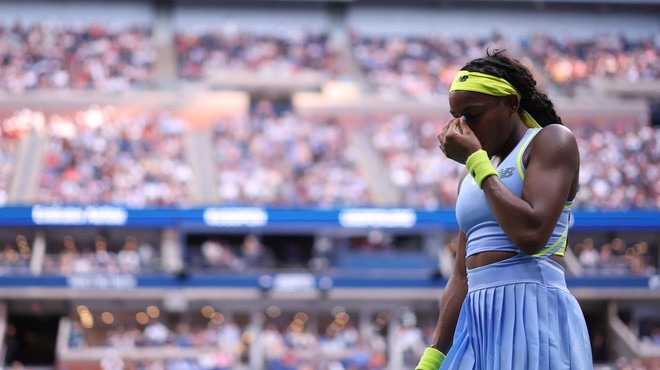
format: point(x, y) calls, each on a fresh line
point(458, 141)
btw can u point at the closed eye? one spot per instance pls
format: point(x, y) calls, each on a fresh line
point(473, 116)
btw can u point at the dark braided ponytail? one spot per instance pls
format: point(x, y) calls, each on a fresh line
point(535, 102)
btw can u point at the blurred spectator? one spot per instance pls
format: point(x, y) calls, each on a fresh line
point(273, 343)
point(128, 257)
point(589, 256)
point(124, 338)
point(253, 254)
point(219, 255)
point(13, 262)
point(229, 336)
point(156, 333)
point(104, 260)
point(448, 257)
point(409, 339)
point(655, 335)
point(182, 335)
point(375, 240)
point(324, 254)
point(148, 255)
point(11, 345)
point(111, 361)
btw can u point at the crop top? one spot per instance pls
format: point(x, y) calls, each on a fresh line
point(476, 219)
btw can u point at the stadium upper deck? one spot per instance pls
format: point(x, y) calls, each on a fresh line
point(166, 57)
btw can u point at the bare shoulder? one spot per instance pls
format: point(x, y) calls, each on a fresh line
point(554, 144)
point(556, 140)
point(558, 135)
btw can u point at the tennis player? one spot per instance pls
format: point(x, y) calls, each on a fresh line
point(506, 305)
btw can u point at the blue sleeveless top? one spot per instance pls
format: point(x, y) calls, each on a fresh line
point(478, 222)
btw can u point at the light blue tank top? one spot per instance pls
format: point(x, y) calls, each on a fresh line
point(478, 222)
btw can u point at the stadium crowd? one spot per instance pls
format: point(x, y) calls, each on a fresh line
point(105, 156)
point(286, 156)
point(571, 61)
point(428, 180)
point(618, 165)
point(295, 51)
point(99, 257)
point(296, 345)
point(138, 160)
point(618, 257)
point(422, 67)
point(93, 57)
point(110, 58)
point(290, 161)
point(409, 149)
point(416, 67)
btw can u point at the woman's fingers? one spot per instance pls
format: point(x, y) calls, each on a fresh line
point(449, 130)
point(456, 127)
point(464, 127)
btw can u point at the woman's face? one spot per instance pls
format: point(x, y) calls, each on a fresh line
point(488, 116)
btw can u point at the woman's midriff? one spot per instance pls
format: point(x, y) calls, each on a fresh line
point(486, 258)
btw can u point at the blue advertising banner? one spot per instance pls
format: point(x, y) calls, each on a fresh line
point(285, 281)
point(285, 218)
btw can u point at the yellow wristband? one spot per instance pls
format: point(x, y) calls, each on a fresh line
point(432, 359)
point(479, 166)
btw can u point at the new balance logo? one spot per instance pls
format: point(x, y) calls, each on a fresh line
point(463, 78)
point(505, 172)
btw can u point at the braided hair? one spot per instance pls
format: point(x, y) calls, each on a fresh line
point(535, 102)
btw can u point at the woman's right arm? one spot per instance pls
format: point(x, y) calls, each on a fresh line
point(452, 300)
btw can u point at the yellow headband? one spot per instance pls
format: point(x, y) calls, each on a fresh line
point(489, 85)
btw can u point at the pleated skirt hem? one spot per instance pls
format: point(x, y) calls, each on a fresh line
point(527, 325)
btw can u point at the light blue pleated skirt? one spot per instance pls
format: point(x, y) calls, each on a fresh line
point(518, 314)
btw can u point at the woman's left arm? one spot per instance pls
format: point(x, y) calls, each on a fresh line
point(553, 163)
